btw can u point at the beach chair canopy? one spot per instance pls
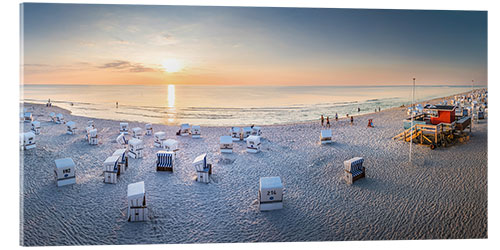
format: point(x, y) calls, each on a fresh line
point(200, 163)
point(60, 116)
point(122, 153)
point(65, 167)
point(253, 139)
point(121, 139)
point(93, 132)
point(71, 124)
point(326, 133)
point(124, 125)
point(270, 183)
point(28, 136)
point(247, 130)
point(27, 115)
point(225, 139)
point(185, 126)
point(164, 158)
point(256, 129)
point(35, 124)
point(235, 130)
point(353, 164)
point(195, 127)
point(135, 143)
point(148, 126)
point(160, 136)
point(137, 130)
point(136, 191)
point(111, 163)
point(171, 144)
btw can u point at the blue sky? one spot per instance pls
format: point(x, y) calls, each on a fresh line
point(126, 44)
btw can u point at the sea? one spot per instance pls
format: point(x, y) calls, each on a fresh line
point(210, 105)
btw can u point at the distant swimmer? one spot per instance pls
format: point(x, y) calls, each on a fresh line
point(116, 104)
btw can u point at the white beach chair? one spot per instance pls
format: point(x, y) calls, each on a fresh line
point(171, 145)
point(111, 169)
point(70, 128)
point(124, 128)
point(185, 129)
point(165, 161)
point(253, 144)
point(136, 197)
point(90, 123)
point(326, 136)
point(354, 170)
point(35, 127)
point(52, 117)
point(135, 148)
point(149, 129)
point(65, 172)
point(270, 193)
point(59, 118)
point(28, 140)
point(247, 131)
point(92, 137)
point(256, 131)
point(122, 140)
point(28, 117)
point(137, 133)
point(236, 133)
point(203, 170)
point(123, 160)
point(195, 131)
point(159, 138)
point(226, 144)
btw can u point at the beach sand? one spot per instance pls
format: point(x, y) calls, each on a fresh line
point(442, 195)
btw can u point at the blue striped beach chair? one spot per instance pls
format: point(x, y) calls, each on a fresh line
point(165, 161)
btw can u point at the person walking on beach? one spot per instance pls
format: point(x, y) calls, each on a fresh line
point(352, 119)
point(336, 117)
point(378, 109)
point(322, 120)
point(327, 122)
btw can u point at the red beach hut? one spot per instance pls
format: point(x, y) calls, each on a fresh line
point(442, 114)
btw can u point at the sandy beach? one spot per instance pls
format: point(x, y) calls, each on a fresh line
point(442, 195)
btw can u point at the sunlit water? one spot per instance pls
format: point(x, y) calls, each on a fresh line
point(226, 105)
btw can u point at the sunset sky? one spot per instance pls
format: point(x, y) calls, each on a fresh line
point(127, 44)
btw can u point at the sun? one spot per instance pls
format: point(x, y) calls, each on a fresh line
point(172, 65)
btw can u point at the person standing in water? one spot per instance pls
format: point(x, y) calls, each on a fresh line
point(327, 121)
point(359, 109)
point(336, 117)
point(378, 109)
point(352, 119)
point(116, 104)
point(322, 120)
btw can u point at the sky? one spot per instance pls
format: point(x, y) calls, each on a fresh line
point(144, 44)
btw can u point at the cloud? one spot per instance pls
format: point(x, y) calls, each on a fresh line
point(126, 66)
point(163, 38)
point(37, 65)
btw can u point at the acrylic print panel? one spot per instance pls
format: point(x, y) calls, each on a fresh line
point(346, 124)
